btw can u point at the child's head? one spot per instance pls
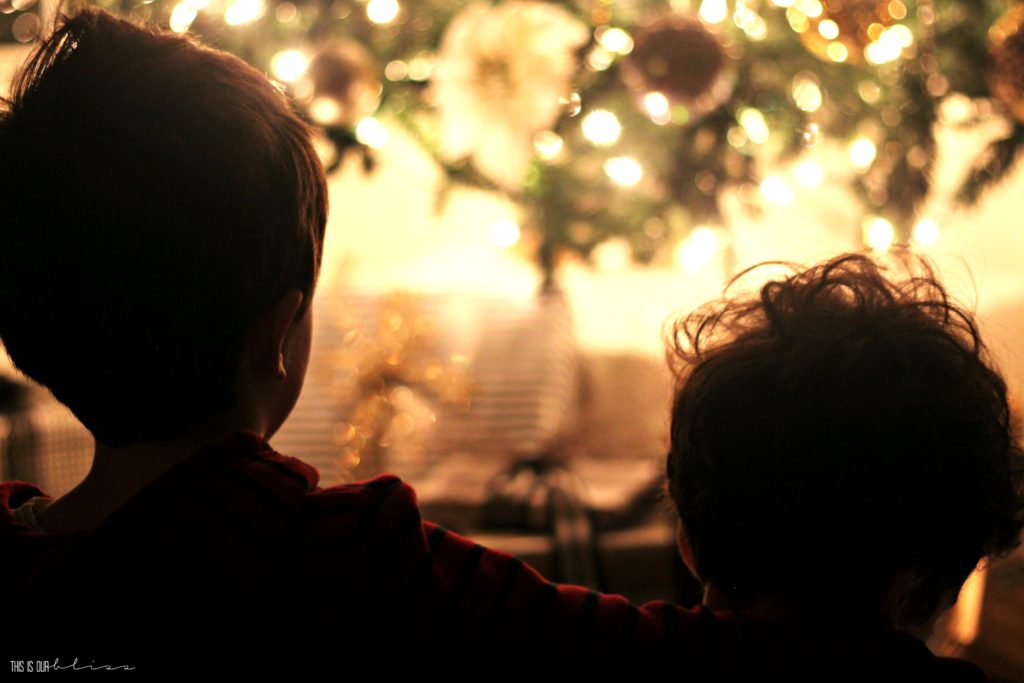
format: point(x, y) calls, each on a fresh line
point(840, 442)
point(159, 198)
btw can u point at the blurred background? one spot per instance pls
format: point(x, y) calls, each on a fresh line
point(524, 194)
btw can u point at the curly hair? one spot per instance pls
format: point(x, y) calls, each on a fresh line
point(842, 434)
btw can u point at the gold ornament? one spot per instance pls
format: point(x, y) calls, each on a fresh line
point(844, 29)
point(1006, 49)
point(679, 58)
point(342, 85)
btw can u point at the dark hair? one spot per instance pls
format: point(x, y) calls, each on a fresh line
point(158, 197)
point(841, 437)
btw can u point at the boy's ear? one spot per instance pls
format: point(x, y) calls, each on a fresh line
point(268, 341)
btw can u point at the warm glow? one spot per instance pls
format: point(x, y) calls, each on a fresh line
point(878, 233)
point(965, 615)
point(325, 110)
point(926, 232)
point(396, 70)
point(601, 127)
point(828, 29)
point(616, 40)
point(198, 4)
point(754, 125)
point(624, 170)
point(806, 93)
point(182, 16)
point(697, 250)
point(548, 144)
point(809, 173)
point(887, 48)
point(777, 191)
point(505, 234)
point(756, 28)
point(420, 68)
point(713, 11)
point(862, 153)
point(382, 11)
point(243, 12)
point(289, 65)
point(749, 21)
point(837, 52)
point(812, 8)
point(371, 133)
point(657, 105)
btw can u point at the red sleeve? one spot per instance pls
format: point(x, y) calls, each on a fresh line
point(382, 547)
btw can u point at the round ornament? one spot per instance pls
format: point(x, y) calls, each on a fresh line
point(344, 86)
point(1006, 70)
point(677, 57)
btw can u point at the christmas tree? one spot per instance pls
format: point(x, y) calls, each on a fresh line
point(631, 118)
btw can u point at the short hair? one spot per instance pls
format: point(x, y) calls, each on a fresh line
point(158, 197)
point(840, 436)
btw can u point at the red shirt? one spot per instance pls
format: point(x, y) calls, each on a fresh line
point(238, 541)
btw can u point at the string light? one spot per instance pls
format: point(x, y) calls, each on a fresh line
point(811, 8)
point(396, 70)
point(697, 250)
point(837, 52)
point(243, 12)
point(372, 133)
point(505, 234)
point(182, 16)
point(548, 144)
point(289, 65)
point(749, 21)
point(869, 91)
point(420, 68)
point(382, 11)
point(754, 125)
point(889, 45)
point(878, 233)
point(601, 127)
point(658, 107)
point(926, 232)
point(600, 59)
point(625, 171)
point(615, 40)
point(325, 110)
point(713, 11)
point(862, 153)
point(828, 29)
point(806, 93)
point(798, 21)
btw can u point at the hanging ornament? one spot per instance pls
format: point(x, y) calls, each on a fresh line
point(342, 85)
point(852, 31)
point(1006, 72)
point(676, 61)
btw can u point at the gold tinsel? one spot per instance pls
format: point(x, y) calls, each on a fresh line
point(391, 365)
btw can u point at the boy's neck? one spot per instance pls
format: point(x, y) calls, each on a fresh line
point(118, 474)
